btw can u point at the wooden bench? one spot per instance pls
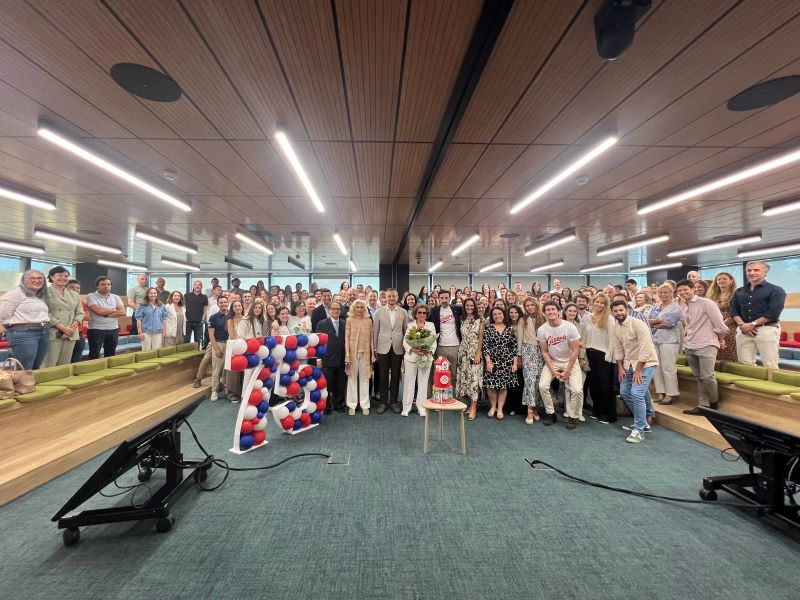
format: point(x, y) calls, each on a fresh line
point(46, 436)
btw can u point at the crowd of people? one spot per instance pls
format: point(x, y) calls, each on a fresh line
point(529, 352)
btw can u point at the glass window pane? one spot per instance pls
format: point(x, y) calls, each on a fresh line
point(366, 279)
point(334, 282)
point(416, 282)
point(736, 269)
point(291, 280)
point(10, 272)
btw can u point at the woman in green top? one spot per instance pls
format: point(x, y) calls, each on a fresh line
point(66, 315)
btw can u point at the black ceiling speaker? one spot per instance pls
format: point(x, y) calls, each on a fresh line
point(615, 25)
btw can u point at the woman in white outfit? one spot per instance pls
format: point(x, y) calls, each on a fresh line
point(358, 358)
point(412, 372)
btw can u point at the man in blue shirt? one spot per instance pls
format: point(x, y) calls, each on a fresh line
point(756, 308)
point(218, 338)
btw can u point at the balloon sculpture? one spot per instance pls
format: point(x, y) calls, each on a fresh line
point(273, 365)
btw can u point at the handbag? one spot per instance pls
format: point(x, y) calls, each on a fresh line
point(6, 386)
point(23, 380)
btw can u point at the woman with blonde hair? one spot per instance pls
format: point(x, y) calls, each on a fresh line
point(531, 356)
point(359, 354)
point(664, 320)
point(600, 356)
point(721, 291)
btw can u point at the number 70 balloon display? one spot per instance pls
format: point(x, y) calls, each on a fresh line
point(273, 365)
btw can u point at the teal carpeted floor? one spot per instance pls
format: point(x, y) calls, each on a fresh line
point(399, 524)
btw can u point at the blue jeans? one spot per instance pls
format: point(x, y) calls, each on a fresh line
point(29, 346)
point(194, 328)
point(636, 396)
point(77, 351)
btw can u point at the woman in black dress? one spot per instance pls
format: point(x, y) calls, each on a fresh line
point(500, 353)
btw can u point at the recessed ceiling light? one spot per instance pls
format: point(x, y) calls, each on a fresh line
point(89, 156)
point(603, 267)
point(548, 266)
point(646, 268)
point(16, 196)
point(638, 242)
point(122, 265)
point(288, 150)
point(491, 266)
point(21, 247)
point(145, 82)
point(767, 250)
point(163, 240)
point(551, 242)
point(259, 244)
point(47, 234)
point(766, 93)
point(466, 244)
point(726, 243)
point(596, 151)
point(165, 260)
point(737, 176)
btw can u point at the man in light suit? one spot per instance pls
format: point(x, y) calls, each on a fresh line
point(333, 362)
point(389, 326)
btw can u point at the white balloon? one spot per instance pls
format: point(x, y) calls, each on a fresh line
point(278, 352)
point(281, 412)
point(262, 424)
point(323, 393)
point(280, 390)
point(311, 385)
point(265, 393)
point(239, 346)
point(311, 408)
point(263, 352)
point(285, 368)
point(302, 353)
point(250, 412)
point(296, 413)
point(313, 339)
point(258, 384)
point(296, 376)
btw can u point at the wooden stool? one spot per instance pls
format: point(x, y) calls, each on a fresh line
point(429, 406)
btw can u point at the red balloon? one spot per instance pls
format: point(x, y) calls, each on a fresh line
point(278, 339)
point(238, 362)
point(264, 374)
point(247, 427)
point(321, 404)
point(312, 352)
point(294, 365)
point(260, 340)
point(255, 420)
point(305, 419)
point(323, 338)
point(259, 436)
point(253, 345)
point(287, 423)
point(255, 397)
point(322, 383)
point(293, 389)
point(291, 342)
point(305, 371)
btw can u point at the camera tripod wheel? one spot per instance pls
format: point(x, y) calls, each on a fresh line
point(164, 524)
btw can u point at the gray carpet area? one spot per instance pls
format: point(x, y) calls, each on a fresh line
point(399, 524)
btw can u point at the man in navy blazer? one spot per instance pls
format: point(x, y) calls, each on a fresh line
point(333, 361)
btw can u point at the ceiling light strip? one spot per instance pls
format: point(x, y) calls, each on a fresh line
point(288, 150)
point(89, 156)
point(722, 182)
point(767, 250)
point(255, 243)
point(165, 241)
point(603, 267)
point(46, 234)
point(353, 266)
point(548, 266)
point(339, 242)
point(238, 263)
point(561, 176)
point(16, 196)
point(551, 242)
point(646, 268)
point(21, 247)
point(121, 265)
point(435, 266)
point(640, 242)
point(491, 266)
point(466, 244)
point(750, 239)
point(166, 260)
point(780, 208)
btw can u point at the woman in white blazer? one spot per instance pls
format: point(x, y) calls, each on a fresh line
point(176, 319)
point(412, 372)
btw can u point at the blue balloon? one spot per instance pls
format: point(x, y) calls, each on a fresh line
point(291, 372)
point(316, 373)
point(285, 379)
point(246, 441)
point(290, 357)
point(274, 368)
point(253, 360)
point(302, 381)
point(269, 382)
point(291, 406)
point(302, 340)
point(315, 395)
point(263, 407)
point(260, 415)
point(270, 360)
point(297, 425)
point(322, 350)
point(270, 342)
point(315, 417)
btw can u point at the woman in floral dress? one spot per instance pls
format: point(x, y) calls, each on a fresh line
point(469, 371)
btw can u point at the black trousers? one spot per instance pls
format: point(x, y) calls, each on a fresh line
point(337, 384)
point(389, 369)
point(601, 385)
point(105, 338)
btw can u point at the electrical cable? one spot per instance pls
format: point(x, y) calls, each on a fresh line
point(533, 463)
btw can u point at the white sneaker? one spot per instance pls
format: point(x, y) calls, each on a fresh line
point(351, 412)
point(422, 412)
point(635, 437)
point(365, 412)
point(581, 418)
point(647, 428)
point(214, 396)
point(404, 413)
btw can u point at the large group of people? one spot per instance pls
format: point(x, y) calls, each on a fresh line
point(523, 352)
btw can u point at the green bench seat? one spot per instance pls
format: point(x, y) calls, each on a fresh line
point(771, 388)
point(681, 360)
point(683, 371)
point(7, 402)
point(100, 368)
point(795, 396)
point(42, 393)
point(728, 378)
point(127, 362)
point(61, 376)
point(164, 356)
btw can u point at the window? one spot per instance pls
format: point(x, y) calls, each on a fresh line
point(366, 279)
point(784, 273)
point(417, 282)
point(291, 280)
point(334, 282)
point(173, 282)
point(10, 272)
point(44, 266)
point(736, 269)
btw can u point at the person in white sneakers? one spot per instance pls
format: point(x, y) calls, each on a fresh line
point(413, 373)
point(560, 343)
point(218, 339)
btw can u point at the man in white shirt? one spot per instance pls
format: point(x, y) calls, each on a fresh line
point(582, 302)
point(372, 303)
point(210, 291)
point(446, 319)
point(560, 342)
point(556, 286)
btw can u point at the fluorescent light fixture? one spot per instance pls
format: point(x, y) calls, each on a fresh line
point(47, 234)
point(639, 242)
point(727, 243)
point(26, 199)
point(165, 260)
point(21, 247)
point(255, 243)
point(779, 208)
point(548, 266)
point(778, 249)
point(286, 146)
point(646, 268)
point(338, 239)
point(122, 265)
point(293, 261)
point(466, 244)
point(435, 265)
point(89, 156)
point(353, 266)
point(163, 240)
point(561, 176)
point(603, 267)
point(494, 265)
point(551, 242)
point(238, 263)
point(777, 162)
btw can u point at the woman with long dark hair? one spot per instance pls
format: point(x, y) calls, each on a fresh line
point(469, 370)
point(499, 346)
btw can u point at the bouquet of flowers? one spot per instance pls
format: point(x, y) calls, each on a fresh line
point(421, 339)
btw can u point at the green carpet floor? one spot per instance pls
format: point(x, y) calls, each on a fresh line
point(399, 524)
